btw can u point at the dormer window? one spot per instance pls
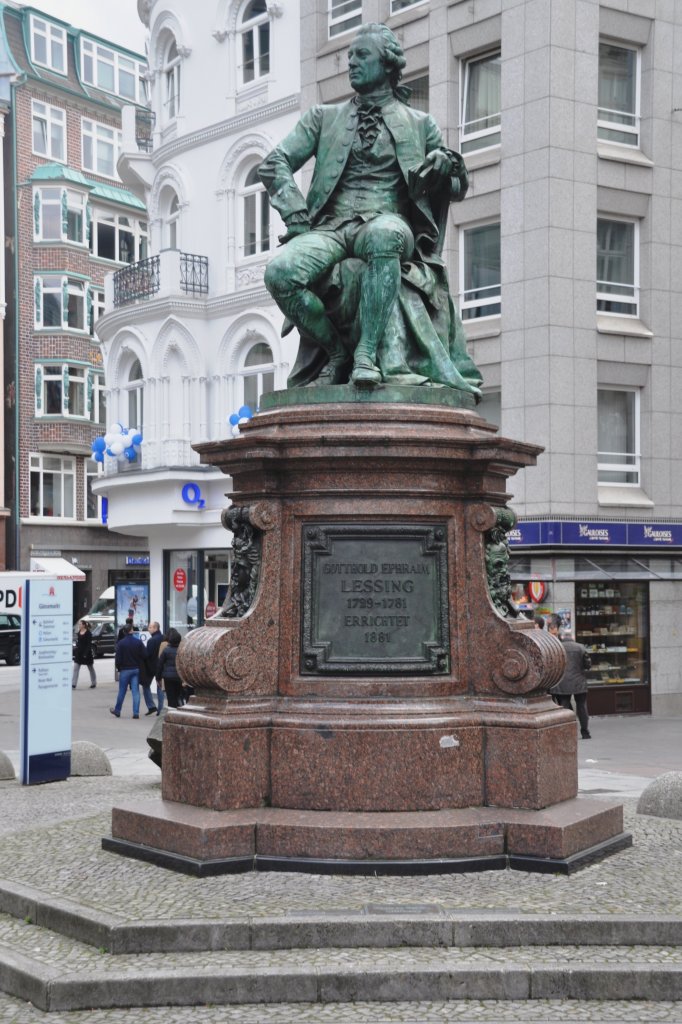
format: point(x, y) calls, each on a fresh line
point(111, 71)
point(48, 45)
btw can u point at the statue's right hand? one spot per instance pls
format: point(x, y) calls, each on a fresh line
point(292, 231)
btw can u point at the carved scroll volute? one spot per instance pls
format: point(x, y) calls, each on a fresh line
point(237, 650)
point(530, 663)
point(511, 656)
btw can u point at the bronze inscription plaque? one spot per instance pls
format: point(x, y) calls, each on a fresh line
point(374, 599)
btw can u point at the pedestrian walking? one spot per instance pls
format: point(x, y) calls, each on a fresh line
point(573, 682)
point(167, 671)
point(82, 655)
point(153, 652)
point(130, 662)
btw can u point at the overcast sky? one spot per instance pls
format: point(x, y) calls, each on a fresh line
point(115, 20)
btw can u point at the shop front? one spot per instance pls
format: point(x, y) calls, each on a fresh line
point(195, 585)
point(609, 598)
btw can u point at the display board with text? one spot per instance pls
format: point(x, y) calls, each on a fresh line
point(46, 667)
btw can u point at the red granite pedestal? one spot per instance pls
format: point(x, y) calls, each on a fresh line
point(371, 710)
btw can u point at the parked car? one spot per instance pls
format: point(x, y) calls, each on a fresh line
point(103, 637)
point(10, 639)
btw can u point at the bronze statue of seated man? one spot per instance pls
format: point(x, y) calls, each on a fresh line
point(360, 273)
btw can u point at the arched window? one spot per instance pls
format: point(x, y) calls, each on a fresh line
point(135, 388)
point(258, 374)
point(255, 35)
point(169, 209)
point(171, 81)
point(255, 216)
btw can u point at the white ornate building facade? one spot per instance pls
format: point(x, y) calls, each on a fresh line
point(189, 335)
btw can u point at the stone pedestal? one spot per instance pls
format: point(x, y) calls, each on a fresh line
point(366, 703)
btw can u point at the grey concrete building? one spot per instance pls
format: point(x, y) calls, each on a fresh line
point(567, 259)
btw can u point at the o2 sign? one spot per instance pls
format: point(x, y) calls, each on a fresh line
point(191, 495)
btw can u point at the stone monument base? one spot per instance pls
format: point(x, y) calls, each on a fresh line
point(368, 698)
point(201, 842)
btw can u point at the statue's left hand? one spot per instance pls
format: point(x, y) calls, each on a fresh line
point(439, 166)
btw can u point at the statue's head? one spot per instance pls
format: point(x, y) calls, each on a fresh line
point(364, 72)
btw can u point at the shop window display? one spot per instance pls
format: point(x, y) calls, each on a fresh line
point(612, 621)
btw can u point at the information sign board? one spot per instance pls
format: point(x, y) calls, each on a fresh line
point(46, 668)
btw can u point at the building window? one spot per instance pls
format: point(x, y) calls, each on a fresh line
point(171, 81)
point(49, 131)
point(618, 436)
point(258, 374)
point(110, 71)
point(481, 103)
point(53, 486)
point(98, 401)
point(92, 502)
point(119, 237)
point(419, 98)
point(62, 389)
point(48, 45)
point(169, 213)
point(480, 280)
point(96, 307)
point(617, 267)
point(619, 77)
point(135, 389)
point(60, 302)
point(255, 35)
point(400, 5)
point(59, 215)
point(344, 15)
point(101, 147)
point(256, 215)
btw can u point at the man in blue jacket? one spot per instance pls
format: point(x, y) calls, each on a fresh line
point(381, 187)
point(131, 654)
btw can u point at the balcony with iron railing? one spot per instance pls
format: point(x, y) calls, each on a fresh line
point(170, 273)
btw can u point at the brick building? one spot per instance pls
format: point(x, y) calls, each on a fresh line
point(70, 222)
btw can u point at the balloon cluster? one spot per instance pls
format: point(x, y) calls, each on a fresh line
point(118, 443)
point(237, 419)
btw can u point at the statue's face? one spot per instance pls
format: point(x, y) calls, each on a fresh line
point(366, 70)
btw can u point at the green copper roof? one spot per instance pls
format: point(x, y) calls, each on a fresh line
point(113, 194)
point(59, 172)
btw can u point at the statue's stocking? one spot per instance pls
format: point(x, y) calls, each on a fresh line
point(379, 292)
point(307, 312)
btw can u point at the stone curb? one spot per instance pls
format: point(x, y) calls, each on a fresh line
point(369, 927)
point(26, 979)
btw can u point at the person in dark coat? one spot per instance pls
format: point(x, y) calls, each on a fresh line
point(573, 683)
point(82, 655)
point(130, 662)
point(153, 645)
point(167, 670)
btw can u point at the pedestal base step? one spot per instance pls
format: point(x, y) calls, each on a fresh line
point(201, 842)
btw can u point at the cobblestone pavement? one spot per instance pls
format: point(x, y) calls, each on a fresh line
point(62, 857)
point(50, 839)
point(539, 1011)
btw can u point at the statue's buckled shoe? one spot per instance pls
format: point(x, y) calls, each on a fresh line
point(365, 372)
point(333, 373)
